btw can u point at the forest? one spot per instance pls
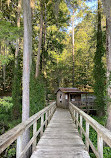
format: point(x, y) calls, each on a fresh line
point(47, 44)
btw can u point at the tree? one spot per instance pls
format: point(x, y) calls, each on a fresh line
point(26, 65)
point(76, 6)
point(108, 56)
point(73, 46)
point(40, 40)
point(107, 10)
point(99, 72)
point(16, 87)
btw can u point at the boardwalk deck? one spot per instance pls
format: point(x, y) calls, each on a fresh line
point(61, 139)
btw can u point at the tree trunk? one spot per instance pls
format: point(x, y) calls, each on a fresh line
point(16, 88)
point(107, 10)
point(18, 25)
point(4, 71)
point(40, 43)
point(73, 47)
point(99, 72)
point(108, 53)
point(26, 66)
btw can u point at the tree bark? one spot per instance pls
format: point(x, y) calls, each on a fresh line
point(108, 53)
point(40, 43)
point(17, 40)
point(16, 88)
point(73, 47)
point(107, 10)
point(26, 66)
point(4, 71)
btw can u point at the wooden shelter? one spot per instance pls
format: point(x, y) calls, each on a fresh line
point(64, 95)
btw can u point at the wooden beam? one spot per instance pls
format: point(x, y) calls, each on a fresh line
point(34, 132)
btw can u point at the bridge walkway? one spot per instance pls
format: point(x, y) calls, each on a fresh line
point(61, 139)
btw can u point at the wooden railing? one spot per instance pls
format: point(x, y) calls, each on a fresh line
point(103, 134)
point(17, 132)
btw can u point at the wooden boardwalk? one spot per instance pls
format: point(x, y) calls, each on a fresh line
point(61, 139)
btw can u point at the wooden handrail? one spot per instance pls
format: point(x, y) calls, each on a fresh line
point(16, 133)
point(102, 132)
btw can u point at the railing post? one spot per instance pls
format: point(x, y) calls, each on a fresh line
point(34, 132)
point(19, 146)
point(87, 134)
point(81, 125)
point(51, 112)
point(42, 121)
point(46, 119)
point(77, 119)
point(48, 116)
point(100, 145)
point(74, 116)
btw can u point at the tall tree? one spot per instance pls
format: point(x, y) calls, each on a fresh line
point(99, 72)
point(107, 10)
point(73, 46)
point(40, 40)
point(75, 5)
point(26, 65)
point(16, 87)
point(108, 56)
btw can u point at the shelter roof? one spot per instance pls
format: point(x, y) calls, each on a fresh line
point(71, 90)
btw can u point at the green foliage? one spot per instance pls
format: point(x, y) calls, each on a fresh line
point(107, 152)
point(5, 59)
point(37, 92)
point(6, 115)
point(11, 152)
point(8, 31)
point(6, 106)
point(99, 70)
point(16, 89)
point(6, 103)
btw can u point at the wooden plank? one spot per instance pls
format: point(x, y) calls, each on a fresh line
point(61, 139)
point(34, 132)
point(100, 146)
point(81, 122)
point(87, 133)
point(19, 146)
point(42, 121)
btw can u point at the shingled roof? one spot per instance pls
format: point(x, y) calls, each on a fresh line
point(72, 90)
point(69, 90)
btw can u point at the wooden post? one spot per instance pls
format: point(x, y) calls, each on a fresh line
point(77, 119)
point(100, 145)
point(34, 132)
point(87, 108)
point(69, 98)
point(81, 125)
point(74, 116)
point(48, 116)
point(52, 109)
point(19, 146)
point(87, 133)
point(46, 119)
point(42, 121)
